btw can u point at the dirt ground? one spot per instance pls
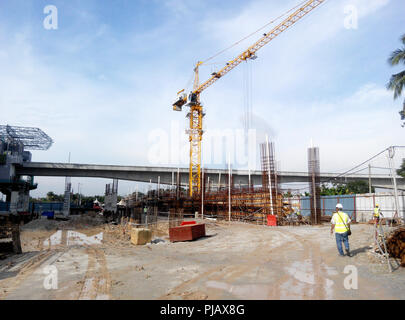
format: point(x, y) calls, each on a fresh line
point(234, 261)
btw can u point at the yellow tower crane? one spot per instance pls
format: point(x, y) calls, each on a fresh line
point(196, 113)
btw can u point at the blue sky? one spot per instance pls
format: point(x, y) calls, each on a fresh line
point(102, 84)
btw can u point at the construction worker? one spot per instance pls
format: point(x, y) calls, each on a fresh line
point(377, 214)
point(341, 224)
point(299, 216)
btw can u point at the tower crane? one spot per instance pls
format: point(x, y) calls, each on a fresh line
point(193, 101)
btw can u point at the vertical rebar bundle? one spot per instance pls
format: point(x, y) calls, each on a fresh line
point(67, 196)
point(269, 177)
point(314, 184)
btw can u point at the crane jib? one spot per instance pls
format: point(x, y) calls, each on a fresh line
point(197, 114)
point(292, 19)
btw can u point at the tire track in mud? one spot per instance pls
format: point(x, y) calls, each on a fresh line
point(97, 280)
point(264, 254)
point(220, 272)
point(307, 276)
point(11, 284)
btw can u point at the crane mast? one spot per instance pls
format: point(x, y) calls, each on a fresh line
point(196, 113)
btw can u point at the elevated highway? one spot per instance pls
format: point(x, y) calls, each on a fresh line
point(169, 175)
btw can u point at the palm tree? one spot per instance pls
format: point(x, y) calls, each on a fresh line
point(397, 81)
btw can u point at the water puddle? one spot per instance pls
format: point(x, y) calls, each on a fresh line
point(72, 238)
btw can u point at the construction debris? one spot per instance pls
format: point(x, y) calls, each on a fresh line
point(396, 245)
point(140, 237)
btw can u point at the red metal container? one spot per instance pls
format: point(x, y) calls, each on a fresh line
point(271, 220)
point(188, 223)
point(187, 233)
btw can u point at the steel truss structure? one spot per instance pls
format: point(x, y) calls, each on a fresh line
point(31, 138)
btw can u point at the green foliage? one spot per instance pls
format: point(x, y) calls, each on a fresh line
point(335, 189)
point(397, 81)
point(354, 187)
point(401, 170)
point(52, 197)
point(359, 187)
point(288, 194)
point(3, 159)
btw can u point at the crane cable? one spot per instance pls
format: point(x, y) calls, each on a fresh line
point(243, 39)
point(253, 33)
point(363, 163)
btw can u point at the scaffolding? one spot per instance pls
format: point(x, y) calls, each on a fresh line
point(314, 185)
point(269, 178)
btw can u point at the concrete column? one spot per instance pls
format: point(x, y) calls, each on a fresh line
point(14, 201)
point(66, 203)
point(391, 155)
point(25, 195)
point(16, 239)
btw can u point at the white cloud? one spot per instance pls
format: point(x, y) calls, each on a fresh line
point(348, 132)
point(106, 117)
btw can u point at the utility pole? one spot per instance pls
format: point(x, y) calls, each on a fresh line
point(369, 179)
point(172, 182)
point(178, 184)
point(314, 197)
point(202, 194)
point(229, 185)
point(80, 195)
point(158, 191)
point(391, 154)
point(250, 180)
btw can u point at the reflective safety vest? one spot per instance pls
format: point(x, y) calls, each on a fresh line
point(377, 212)
point(341, 226)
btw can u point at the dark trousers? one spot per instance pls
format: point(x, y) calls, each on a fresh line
point(342, 237)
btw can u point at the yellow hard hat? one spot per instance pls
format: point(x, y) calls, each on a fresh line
point(377, 205)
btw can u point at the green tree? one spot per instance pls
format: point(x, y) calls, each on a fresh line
point(401, 170)
point(354, 187)
point(287, 194)
point(335, 189)
point(397, 81)
point(359, 187)
point(51, 196)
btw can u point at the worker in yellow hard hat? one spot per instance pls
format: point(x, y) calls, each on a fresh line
point(377, 214)
point(298, 213)
point(340, 223)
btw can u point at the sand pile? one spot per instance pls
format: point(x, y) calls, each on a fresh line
point(74, 222)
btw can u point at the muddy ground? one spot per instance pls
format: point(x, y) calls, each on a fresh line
point(91, 260)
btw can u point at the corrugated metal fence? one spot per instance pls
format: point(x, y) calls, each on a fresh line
point(360, 207)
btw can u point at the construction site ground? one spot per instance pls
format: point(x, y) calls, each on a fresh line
point(235, 261)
